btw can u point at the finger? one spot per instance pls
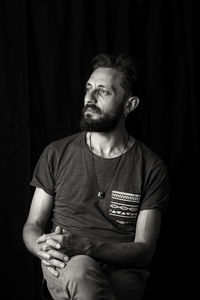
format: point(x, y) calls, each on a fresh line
point(53, 243)
point(59, 237)
point(44, 255)
point(45, 247)
point(53, 271)
point(44, 237)
point(46, 263)
point(58, 255)
point(41, 239)
point(56, 263)
point(53, 235)
point(58, 230)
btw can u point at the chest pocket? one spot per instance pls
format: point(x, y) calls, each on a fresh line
point(123, 209)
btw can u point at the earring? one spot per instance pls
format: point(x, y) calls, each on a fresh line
point(125, 113)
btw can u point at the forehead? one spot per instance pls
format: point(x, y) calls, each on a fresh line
point(105, 76)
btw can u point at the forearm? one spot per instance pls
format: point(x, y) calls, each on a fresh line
point(132, 254)
point(121, 254)
point(31, 233)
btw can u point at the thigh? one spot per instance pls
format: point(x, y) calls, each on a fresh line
point(54, 284)
point(82, 278)
point(126, 284)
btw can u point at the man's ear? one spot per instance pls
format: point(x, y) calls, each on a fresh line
point(131, 104)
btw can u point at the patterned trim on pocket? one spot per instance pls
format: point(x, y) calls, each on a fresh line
point(124, 206)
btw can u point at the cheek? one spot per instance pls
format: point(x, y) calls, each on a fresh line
point(106, 103)
point(108, 107)
point(105, 109)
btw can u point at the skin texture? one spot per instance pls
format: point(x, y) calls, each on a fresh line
point(103, 94)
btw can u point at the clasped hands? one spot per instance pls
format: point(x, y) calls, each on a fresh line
point(56, 248)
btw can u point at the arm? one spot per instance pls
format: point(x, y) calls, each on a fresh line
point(35, 226)
point(135, 254)
point(37, 219)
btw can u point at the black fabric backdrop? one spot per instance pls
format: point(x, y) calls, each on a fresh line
point(45, 54)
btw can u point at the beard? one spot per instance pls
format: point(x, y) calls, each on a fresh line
point(106, 121)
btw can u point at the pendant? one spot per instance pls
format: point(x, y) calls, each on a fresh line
point(101, 195)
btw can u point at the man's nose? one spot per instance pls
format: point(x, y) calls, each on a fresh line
point(90, 97)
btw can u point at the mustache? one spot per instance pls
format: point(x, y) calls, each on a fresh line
point(93, 107)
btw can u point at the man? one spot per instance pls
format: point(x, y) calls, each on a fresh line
point(105, 191)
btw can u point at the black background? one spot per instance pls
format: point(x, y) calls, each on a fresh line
point(45, 53)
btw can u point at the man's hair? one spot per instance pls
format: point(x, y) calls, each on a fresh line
point(122, 63)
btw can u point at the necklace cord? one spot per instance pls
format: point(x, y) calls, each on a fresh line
point(101, 194)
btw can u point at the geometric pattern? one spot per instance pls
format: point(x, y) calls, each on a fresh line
point(124, 205)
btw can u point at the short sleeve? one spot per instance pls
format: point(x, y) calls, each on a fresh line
point(43, 176)
point(156, 193)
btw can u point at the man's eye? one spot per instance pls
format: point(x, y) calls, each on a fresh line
point(103, 92)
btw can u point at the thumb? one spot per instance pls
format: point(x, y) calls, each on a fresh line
point(58, 230)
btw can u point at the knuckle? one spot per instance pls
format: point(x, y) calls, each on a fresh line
point(52, 262)
point(41, 254)
point(51, 252)
point(44, 262)
point(45, 247)
point(41, 246)
point(51, 242)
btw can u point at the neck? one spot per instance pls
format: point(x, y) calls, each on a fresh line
point(109, 144)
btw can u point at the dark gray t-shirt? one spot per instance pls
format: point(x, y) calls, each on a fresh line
point(65, 170)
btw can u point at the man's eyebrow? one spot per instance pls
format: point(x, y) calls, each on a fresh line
point(100, 85)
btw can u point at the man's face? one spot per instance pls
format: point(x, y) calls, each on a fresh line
point(104, 101)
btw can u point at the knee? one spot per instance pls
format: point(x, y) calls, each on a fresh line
point(81, 266)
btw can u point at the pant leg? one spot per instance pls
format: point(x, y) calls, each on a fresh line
point(126, 284)
point(81, 279)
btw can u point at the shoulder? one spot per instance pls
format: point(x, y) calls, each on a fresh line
point(65, 142)
point(64, 146)
point(75, 139)
point(148, 157)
